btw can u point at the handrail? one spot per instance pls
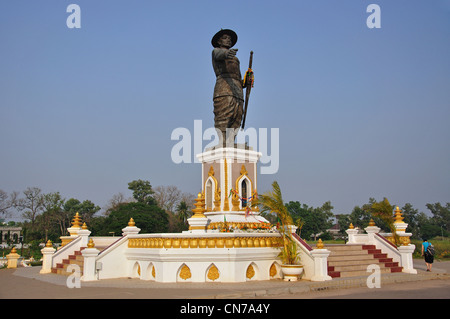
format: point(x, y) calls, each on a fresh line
point(387, 241)
point(304, 243)
point(119, 238)
point(111, 247)
point(65, 250)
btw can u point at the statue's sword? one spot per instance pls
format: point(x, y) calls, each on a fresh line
point(248, 83)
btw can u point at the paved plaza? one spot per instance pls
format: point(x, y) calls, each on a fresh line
point(27, 283)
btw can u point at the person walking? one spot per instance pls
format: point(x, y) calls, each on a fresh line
point(429, 258)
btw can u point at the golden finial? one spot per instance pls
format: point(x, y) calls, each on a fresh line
point(320, 244)
point(49, 244)
point(131, 223)
point(199, 206)
point(351, 226)
point(91, 243)
point(13, 250)
point(398, 216)
point(76, 221)
point(84, 226)
point(371, 223)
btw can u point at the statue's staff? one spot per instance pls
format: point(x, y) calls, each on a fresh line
point(248, 84)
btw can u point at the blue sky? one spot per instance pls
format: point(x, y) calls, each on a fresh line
point(361, 112)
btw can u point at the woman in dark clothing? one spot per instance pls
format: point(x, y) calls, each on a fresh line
point(429, 258)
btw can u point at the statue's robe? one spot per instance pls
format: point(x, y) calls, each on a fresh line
point(228, 92)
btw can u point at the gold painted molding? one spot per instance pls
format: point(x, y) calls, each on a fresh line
point(205, 242)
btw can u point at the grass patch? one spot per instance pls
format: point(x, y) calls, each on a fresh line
point(441, 247)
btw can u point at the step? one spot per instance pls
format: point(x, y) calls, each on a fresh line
point(355, 273)
point(353, 260)
point(335, 248)
point(349, 262)
point(356, 267)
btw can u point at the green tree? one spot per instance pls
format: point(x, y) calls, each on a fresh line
point(142, 191)
point(384, 211)
point(441, 215)
point(315, 220)
point(411, 218)
point(149, 218)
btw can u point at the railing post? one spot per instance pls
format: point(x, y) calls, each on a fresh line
point(406, 253)
point(131, 229)
point(12, 257)
point(89, 255)
point(47, 255)
point(351, 232)
point(371, 230)
point(320, 255)
point(84, 234)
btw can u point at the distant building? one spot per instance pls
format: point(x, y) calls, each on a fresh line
point(10, 233)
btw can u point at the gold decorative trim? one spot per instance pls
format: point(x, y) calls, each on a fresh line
point(404, 240)
point(153, 272)
point(239, 225)
point(273, 270)
point(235, 198)
point(320, 244)
point(199, 206)
point(398, 216)
point(91, 243)
point(205, 242)
point(216, 193)
point(213, 273)
point(185, 273)
point(76, 222)
point(226, 205)
point(250, 272)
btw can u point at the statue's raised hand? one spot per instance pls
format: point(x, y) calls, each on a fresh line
point(231, 53)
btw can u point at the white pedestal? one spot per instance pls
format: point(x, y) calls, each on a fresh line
point(89, 270)
point(130, 230)
point(84, 234)
point(47, 255)
point(320, 264)
point(351, 235)
point(371, 231)
point(198, 224)
point(406, 258)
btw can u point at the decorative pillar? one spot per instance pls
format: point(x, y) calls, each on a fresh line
point(406, 253)
point(131, 229)
point(371, 230)
point(320, 256)
point(198, 222)
point(76, 225)
point(12, 257)
point(47, 255)
point(84, 234)
point(351, 232)
point(89, 254)
point(73, 231)
point(400, 227)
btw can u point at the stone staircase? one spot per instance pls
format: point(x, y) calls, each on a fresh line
point(352, 260)
point(75, 259)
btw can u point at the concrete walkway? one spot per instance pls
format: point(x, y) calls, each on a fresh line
point(26, 283)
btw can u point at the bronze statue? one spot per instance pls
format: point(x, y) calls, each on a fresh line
point(228, 92)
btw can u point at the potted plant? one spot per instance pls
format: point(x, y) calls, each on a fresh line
point(272, 201)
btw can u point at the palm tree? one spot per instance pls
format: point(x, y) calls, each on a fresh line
point(272, 201)
point(183, 212)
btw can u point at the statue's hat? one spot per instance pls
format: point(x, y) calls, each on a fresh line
point(219, 34)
